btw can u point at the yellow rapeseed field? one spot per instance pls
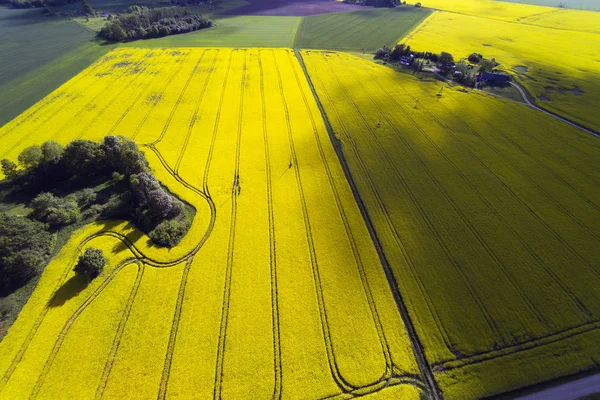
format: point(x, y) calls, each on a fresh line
point(489, 214)
point(551, 17)
point(276, 292)
point(558, 66)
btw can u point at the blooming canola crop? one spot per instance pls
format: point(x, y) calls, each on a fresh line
point(277, 290)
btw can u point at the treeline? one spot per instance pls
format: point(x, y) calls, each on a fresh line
point(143, 23)
point(37, 3)
point(401, 50)
point(81, 182)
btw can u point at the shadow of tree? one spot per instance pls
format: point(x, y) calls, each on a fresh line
point(68, 290)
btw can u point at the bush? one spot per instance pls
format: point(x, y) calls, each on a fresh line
point(55, 211)
point(169, 232)
point(9, 168)
point(475, 58)
point(382, 53)
point(25, 246)
point(90, 263)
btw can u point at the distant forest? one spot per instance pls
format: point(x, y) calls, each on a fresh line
point(37, 3)
point(144, 23)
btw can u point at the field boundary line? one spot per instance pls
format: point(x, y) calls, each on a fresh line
point(418, 350)
point(336, 375)
point(385, 215)
point(376, 319)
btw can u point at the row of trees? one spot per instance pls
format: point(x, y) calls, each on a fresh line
point(444, 59)
point(143, 23)
point(37, 3)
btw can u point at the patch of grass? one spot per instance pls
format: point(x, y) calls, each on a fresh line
point(242, 31)
point(358, 30)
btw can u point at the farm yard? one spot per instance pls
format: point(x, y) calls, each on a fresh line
point(360, 229)
point(238, 135)
point(474, 204)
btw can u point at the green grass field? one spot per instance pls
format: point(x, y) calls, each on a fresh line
point(38, 55)
point(28, 40)
point(358, 30)
point(234, 31)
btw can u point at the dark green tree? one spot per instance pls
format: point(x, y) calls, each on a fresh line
point(25, 246)
point(446, 59)
point(52, 151)
point(31, 157)
point(87, 7)
point(90, 263)
point(9, 168)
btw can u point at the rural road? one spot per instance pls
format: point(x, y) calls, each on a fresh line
point(568, 391)
point(566, 121)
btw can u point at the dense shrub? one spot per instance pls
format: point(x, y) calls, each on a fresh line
point(150, 23)
point(25, 246)
point(382, 53)
point(169, 232)
point(9, 168)
point(90, 263)
point(55, 211)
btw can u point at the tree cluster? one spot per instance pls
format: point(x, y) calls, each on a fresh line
point(57, 181)
point(382, 3)
point(51, 167)
point(37, 3)
point(413, 59)
point(143, 23)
